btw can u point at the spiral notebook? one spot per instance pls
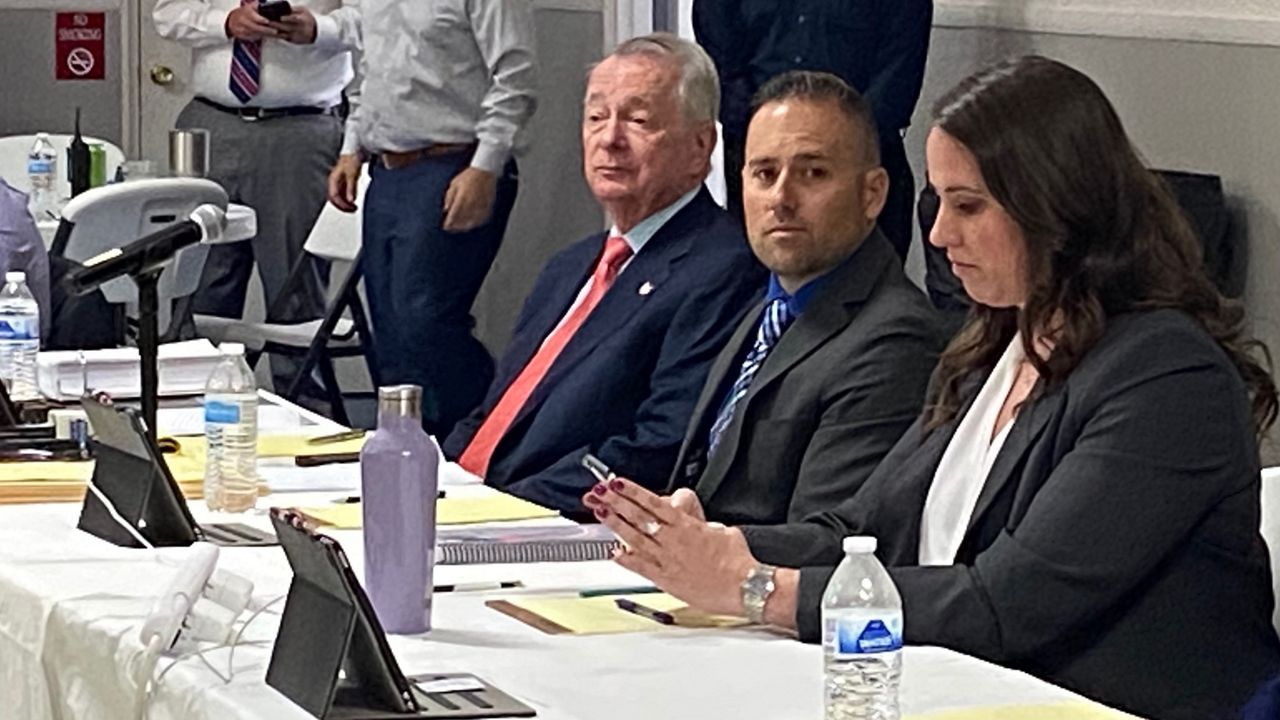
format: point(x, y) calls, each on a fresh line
point(486, 546)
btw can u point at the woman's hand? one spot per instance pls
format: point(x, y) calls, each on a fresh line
point(668, 542)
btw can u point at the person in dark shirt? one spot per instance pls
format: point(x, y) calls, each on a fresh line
point(877, 46)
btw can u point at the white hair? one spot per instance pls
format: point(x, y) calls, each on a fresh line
point(699, 87)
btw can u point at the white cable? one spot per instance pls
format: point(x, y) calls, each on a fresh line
point(231, 656)
point(151, 686)
point(115, 515)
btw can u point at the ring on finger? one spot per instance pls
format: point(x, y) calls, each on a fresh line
point(651, 528)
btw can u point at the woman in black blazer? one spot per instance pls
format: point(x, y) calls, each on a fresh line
point(1113, 545)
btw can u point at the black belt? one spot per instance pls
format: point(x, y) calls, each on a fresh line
point(256, 113)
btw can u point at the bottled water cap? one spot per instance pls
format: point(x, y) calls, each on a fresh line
point(231, 348)
point(859, 545)
point(15, 276)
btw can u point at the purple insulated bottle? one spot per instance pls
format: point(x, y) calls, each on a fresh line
point(398, 467)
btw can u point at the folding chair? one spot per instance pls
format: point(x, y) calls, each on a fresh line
point(344, 329)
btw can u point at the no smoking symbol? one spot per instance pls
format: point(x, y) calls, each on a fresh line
point(80, 61)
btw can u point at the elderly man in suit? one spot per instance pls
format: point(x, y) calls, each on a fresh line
point(820, 380)
point(615, 339)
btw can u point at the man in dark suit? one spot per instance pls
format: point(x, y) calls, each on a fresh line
point(615, 340)
point(877, 46)
point(819, 381)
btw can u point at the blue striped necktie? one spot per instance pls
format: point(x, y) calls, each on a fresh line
point(246, 66)
point(775, 321)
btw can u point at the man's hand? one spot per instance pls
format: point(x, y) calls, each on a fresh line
point(469, 200)
point(343, 180)
point(244, 23)
point(298, 27)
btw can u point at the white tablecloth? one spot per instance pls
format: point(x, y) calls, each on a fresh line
point(71, 607)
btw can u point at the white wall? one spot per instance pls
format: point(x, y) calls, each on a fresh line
point(1229, 21)
point(1209, 106)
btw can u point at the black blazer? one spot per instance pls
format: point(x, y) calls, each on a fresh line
point(843, 384)
point(625, 384)
point(1115, 548)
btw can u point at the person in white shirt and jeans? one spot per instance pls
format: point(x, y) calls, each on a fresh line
point(270, 93)
point(448, 87)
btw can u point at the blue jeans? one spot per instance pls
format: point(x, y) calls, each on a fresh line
point(421, 282)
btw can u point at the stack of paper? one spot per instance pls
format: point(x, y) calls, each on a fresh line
point(184, 369)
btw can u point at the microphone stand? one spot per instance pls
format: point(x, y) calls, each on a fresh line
point(144, 260)
point(149, 344)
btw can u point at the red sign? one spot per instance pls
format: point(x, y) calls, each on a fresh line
point(80, 45)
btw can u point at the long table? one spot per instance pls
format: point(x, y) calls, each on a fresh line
point(71, 607)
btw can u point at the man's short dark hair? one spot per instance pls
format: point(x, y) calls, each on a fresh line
point(823, 87)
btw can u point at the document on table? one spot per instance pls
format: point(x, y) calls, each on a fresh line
point(574, 615)
point(183, 369)
point(449, 511)
point(1080, 710)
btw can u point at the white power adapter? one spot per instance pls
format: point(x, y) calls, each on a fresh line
point(200, 604)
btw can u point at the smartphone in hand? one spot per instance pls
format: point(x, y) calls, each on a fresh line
point(274, 10)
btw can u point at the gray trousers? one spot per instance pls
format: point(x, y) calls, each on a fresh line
point(280, 168)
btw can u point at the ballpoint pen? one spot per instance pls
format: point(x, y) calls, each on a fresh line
point(657, 616)
point(336, 437)
point(600, 592)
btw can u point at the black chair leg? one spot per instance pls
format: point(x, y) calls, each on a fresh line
point(330, 378)
point(364, 331)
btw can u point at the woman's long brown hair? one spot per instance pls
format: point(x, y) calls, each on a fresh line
point(1104, 234)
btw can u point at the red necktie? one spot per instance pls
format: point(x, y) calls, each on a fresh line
point(475, 459)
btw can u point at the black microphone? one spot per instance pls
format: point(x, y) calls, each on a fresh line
point(149, 252)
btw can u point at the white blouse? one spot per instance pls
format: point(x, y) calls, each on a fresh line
point(965, 464)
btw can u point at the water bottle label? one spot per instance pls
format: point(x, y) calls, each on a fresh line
point(216, 411)
point(19, 328)
point(39, 167)
point(864, 636)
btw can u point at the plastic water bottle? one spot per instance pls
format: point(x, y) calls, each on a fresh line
point(42, 172)
point(861, 637)
point(19, 336)
point(231, 432)
point(398, 467)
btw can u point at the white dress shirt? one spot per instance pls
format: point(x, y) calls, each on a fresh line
point(291, 75)
point(965, 464)
point(636, 239)
point(445, 71)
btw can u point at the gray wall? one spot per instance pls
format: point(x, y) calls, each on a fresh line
point(1192, 106)
point(554, 207)
point(32, 101)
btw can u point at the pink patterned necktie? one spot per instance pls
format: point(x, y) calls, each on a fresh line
point(246, 65)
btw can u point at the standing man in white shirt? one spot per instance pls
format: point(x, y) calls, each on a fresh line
point(270, 93)
point(448, 86)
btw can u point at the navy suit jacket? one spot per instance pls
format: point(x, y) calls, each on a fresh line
point(625, 385)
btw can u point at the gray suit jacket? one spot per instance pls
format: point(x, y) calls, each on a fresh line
point(842, 385)
point(1115, 547)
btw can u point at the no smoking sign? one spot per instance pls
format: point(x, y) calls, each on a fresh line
point(79, 45)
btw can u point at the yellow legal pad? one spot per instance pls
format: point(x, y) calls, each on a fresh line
point(274, 446)
point(1078, 710)
point(573, 615)
point(64, 481)
point(449, 511)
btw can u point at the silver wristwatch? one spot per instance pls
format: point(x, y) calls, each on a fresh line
point(756, 590)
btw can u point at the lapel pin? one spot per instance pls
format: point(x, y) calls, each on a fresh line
point(646, 288)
